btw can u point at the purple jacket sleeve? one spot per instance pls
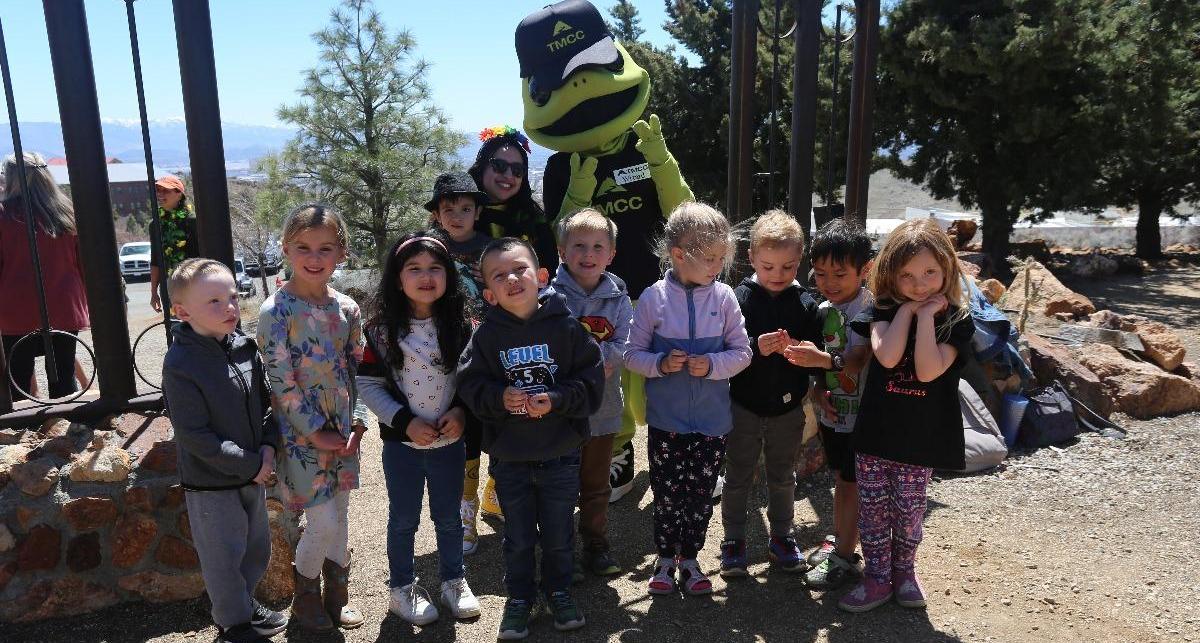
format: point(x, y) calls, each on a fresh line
point(736, 356)
point(638, 357)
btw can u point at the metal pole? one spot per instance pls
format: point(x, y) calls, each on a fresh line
point(736, 101)
point(75, 83)
point(774, 105)
point(833, 105)
point(748, 65)
point(155, 222)
point(859, 147)
point(202, 112)
point(804, 110)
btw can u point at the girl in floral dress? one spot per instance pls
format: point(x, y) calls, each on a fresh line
point(311, 339)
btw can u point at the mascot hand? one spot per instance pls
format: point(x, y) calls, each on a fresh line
point(651, 143)
point(583, 180)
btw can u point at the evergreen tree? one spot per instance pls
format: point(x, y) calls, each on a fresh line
point(626, 25)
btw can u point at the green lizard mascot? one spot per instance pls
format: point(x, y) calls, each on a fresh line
point(584, 98)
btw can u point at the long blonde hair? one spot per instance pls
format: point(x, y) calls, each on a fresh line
point(49, 206)
point(904, 243)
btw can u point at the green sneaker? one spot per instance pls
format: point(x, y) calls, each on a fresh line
point(514, 625)
point(567, 615)
point(833, 571)
point(601, 563)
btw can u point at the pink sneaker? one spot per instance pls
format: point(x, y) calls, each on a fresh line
point(908, 589)
point(867, 596)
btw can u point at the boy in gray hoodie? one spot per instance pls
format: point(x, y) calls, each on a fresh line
point(220, 406)
point(587, 242)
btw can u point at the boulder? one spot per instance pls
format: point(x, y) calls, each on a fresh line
point(1047, 294)
point(992, 289)
point(1163, 346)
point(41, 549)
point(11, 456)
point(55, 428)
point(1103, 319)
point(961, 232)
point(107, 464)
point(157, 587)
point(131, 539)
point(1091, 265)
point(1190, 371)
point(35, 478)
point(1050, 362)
point(11, 436)
point(67, 596)
point(83, 552)
point(1140, 390)
point(177, 553)
point(86, 514)
point(276, 585)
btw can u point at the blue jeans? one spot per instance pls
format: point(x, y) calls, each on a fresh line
point(405, 471)
point(538, 500)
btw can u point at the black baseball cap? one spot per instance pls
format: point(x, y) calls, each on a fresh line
point(560, 38)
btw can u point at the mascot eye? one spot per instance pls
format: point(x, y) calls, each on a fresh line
point(539, 96)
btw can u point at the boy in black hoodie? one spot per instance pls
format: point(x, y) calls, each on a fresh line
point(532, 374)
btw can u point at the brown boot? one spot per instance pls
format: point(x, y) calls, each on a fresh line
point(306, 604)
point(337, 595)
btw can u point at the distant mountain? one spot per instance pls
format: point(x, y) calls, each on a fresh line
point(168, 139)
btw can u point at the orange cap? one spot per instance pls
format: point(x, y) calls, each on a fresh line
point(170, 182)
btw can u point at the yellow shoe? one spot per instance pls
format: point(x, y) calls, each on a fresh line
point(491, 504)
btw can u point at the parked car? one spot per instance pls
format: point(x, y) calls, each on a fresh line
point(135, 259)
point(274, 256)
point(245, 284)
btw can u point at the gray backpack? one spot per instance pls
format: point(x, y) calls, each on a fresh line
point(984, 443)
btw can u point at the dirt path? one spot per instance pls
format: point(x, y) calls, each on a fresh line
point(1089, 543)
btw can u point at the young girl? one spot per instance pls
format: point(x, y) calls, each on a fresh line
point(688, 339)
point(909, 421)
point(416, 332)
point(311, 339)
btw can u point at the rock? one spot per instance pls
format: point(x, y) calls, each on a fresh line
point(1190, 371)
point(969, 268)
point(172, 498)
point(161, 458)
point(67, 596)
point(360, 285)
point(131, 539)
point(63, 447)
point(40, 549)
point(1047, 294)
point(128, 424)
point(961, 232)
point(1163, 346)
point(55, 428)
point(992, 289)
point(1064, 317)
point(86, 514)
point(276, 585)
point(1141, 390)
point(107, 464)
point(156, 587)
point(177, 553)
point(1036, 248)
point(11, 456)
point(1050, 362)
point(1106, 319)
point(184, 526)
point(1092, 265)
point(35, 478)
point(11, 436)
point(83, 552)
point(6, 573)
point(25, 516)
point(6, 538)
point(138, 498)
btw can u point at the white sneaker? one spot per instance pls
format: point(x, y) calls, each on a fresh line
point(468, 511)
point(412, 604)
point(457, 597)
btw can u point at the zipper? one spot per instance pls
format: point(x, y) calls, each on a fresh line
point(245, 387)
point(692, 386)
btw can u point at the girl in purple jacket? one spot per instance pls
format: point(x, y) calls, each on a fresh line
point(688, 339)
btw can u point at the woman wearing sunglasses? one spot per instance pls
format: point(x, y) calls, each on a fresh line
point(501, 169)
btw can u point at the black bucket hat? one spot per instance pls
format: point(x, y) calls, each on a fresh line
point(455, 183)
point(556, 40)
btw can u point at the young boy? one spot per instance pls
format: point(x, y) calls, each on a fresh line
point(533, 376)
point(767, 415)
point(220, 405)
point(587, 242)
point(841, 254)
point(455, 207)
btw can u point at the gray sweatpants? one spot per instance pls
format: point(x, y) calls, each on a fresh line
point(776, 438)
point(233, 541)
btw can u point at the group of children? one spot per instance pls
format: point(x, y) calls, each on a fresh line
point(470, 347)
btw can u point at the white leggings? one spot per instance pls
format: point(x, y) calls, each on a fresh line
point(325, 536)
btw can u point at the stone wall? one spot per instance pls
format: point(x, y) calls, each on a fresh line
point(94, 516)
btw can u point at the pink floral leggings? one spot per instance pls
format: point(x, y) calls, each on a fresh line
point(890, 515)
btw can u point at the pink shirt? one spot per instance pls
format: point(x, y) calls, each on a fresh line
point(62, 276)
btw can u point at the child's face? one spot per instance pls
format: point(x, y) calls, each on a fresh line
point(587, 254)
point(775, 266)
point(422, 279)
point(511, 279)
point(839, 282)
point(699, 268)
point(921, 277)
point(314, 253)
point(457, 216)
point(210, 305)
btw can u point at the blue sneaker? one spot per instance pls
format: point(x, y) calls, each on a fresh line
point(785, 553)
point(733, 558)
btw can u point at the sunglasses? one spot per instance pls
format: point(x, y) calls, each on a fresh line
point(500, 166)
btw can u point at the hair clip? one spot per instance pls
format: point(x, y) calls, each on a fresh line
point(416, 239)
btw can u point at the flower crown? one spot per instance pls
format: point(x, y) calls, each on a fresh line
point(497, 131)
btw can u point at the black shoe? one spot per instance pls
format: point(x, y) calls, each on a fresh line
point(243, 633)
point(620, 473)
point(601, 563)
point(267, 622)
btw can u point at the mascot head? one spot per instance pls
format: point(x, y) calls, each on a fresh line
point(580, 88)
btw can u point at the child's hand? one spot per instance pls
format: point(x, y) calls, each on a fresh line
point(698, 365)
point(823, 399)
point(421, 432)
point(327, 440)
point(451, 424)
point(673, 362)
point(538, 405)
point(933, 305)
point(267, 470)
point(806, 354)
point(515, 400)
point(352, 444)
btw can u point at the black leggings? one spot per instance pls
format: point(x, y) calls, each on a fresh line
point(473, 436)
point(20, 365)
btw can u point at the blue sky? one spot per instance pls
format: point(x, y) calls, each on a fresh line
point(262, 46)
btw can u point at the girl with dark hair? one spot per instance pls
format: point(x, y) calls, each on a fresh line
point(501, 169)
point(407, 378)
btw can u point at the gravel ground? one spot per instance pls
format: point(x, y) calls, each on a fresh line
point(1084, 543)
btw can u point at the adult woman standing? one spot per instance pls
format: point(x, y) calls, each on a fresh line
point(62, 274)
point(501, 169)
point(178, 225)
